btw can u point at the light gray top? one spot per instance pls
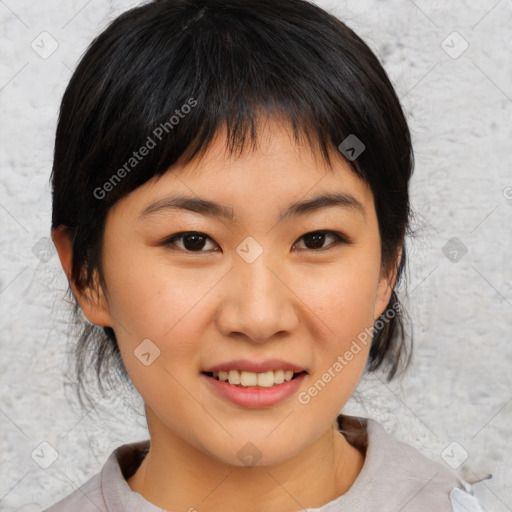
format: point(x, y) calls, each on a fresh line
point(395, 477)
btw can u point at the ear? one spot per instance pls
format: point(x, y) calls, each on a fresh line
point(92, 301)
point(385, 288)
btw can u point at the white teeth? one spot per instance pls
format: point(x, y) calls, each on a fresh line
point(279, 377)
point(248, 379)
point(264, 379)
point(233, 377)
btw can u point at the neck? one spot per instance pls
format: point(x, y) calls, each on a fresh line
point(177, 476)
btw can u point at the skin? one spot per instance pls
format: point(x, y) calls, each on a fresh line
point(300, 304)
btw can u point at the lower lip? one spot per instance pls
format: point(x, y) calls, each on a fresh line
point(255, 397)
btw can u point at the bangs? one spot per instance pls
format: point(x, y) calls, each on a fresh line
point(165, 79)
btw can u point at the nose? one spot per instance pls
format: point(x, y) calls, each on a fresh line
point(258, 304)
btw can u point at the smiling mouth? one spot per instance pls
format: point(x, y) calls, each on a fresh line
point(251, 379)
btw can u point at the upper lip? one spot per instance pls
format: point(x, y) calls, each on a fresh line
point(256, 367)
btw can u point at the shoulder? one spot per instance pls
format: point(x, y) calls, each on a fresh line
point(87, 498)
point(418, 483)
point(397, 476)
point(108, 487)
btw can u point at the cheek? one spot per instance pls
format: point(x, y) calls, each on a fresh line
point(340, 304)
point(149, 296)
point(341, 323)
point(169, 316)
point(340, 299)
point(152, 300)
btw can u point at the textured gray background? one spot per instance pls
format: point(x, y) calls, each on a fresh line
point(459, 387)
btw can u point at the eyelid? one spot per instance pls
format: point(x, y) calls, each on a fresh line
point(169, 241)
point(340, 238)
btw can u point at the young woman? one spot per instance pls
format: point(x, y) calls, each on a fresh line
point(230, 202)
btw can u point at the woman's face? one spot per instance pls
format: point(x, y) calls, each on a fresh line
point(255, 285)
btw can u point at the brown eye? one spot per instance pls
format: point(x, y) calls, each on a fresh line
point(193, 241)
point(316, 239)
point(190, 241)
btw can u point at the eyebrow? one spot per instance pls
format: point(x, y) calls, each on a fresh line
point(211, 209)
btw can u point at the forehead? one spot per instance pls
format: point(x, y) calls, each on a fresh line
point(279, 174)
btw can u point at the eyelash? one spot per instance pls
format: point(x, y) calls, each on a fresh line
point(339, 239)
